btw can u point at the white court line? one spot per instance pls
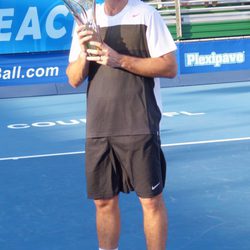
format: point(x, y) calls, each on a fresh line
point(163, 145)
point(41, 156)
point(206, 142)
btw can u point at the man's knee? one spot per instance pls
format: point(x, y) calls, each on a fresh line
point(106, 204)
point(152, 204)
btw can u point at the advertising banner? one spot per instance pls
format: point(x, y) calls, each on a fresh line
point(29, 68)
point(214, 56)
point(35, 38)
point(32, 26)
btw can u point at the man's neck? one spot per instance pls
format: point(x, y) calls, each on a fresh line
point(113, 7)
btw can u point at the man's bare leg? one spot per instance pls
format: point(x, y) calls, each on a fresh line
point(155, 222)
point(108, 222)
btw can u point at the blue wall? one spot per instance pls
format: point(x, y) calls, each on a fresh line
point(31, 26)
point(214, 56)
point(35, 39)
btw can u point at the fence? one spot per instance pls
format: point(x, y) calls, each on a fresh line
point(198, 19)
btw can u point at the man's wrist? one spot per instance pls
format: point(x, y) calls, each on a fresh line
point(83, 55)
point(123, 61)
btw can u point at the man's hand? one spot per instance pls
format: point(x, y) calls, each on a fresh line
point(103, 54)
point(85, 35)
point(77, 71)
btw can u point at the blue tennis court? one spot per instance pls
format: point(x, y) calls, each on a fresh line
point(205, 136)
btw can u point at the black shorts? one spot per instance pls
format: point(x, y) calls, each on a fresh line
point(124, 164)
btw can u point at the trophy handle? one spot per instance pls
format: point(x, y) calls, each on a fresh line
point(97, 29)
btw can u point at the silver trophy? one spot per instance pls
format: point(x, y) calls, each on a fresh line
point(78, 9)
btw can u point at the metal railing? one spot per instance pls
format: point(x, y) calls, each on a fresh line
point(189, 12)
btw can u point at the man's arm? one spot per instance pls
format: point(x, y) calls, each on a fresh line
point(78, 70)
point(163, 66)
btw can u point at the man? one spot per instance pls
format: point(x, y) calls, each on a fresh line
point(123, 113)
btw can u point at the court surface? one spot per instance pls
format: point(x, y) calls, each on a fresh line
point(205, 136)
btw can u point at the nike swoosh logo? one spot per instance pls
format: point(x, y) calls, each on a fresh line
point(135, 15)
point(154, 187)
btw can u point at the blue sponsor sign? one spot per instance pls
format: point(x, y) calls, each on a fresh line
point(32, 26)
point(38, 68)
point(214, 56)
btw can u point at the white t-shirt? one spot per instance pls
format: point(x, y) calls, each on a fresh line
point(138, 30)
